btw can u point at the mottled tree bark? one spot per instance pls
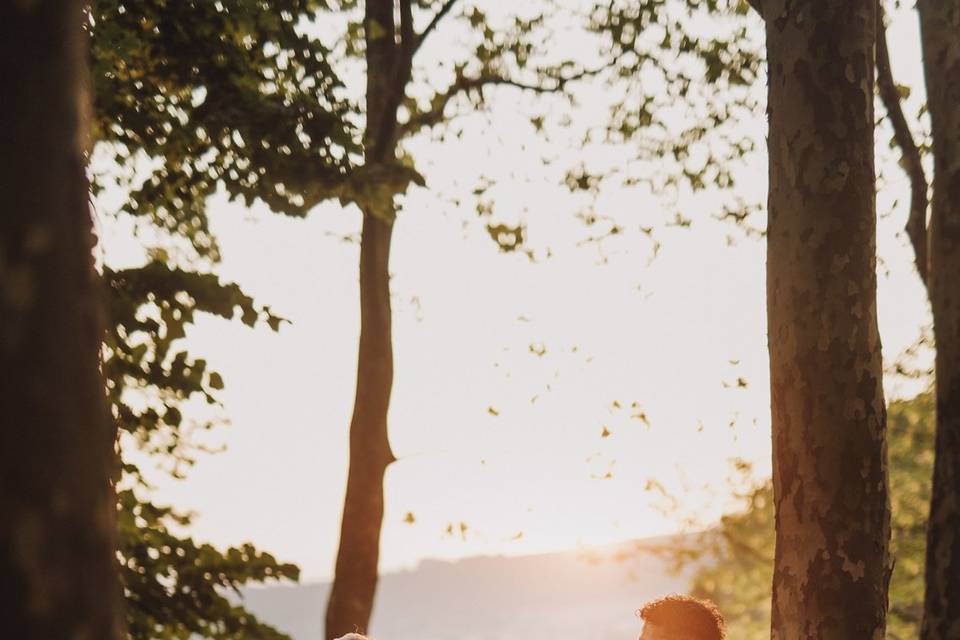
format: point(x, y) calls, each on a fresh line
point(829, 455)
point(940, 28)
point(57, 508)
point(355, 579)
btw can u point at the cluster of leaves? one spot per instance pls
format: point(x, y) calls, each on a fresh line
point(177, 589)
point(148, 378)
point(679, 78)
point(663, 61)
point(683, 77)
point(734, 562)
point(194, 97)
point(496, 55)
point(174, 587)
point(229, 94)
point(911, 430)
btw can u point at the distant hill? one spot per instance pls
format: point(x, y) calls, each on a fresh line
point(556, 596)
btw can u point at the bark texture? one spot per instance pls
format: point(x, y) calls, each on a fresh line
point(832, 562)
point(57, 553)
point(355, 579)
point(940, 28)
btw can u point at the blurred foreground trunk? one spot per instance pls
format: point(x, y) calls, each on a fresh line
point(832, 565)
point(57, 507)
point(940, 28)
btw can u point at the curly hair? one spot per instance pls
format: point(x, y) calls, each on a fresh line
point(696, 619)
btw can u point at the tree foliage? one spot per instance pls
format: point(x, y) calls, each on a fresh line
point(230, 94)
point(735, 560)
point(684, 74)
point(193, 98)
point(239, 96)
point(174, 586)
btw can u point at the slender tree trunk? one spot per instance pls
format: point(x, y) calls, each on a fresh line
point(355, 580)
point(829, 455)
point(57, 508)
point(940, 28)
point(910, 158)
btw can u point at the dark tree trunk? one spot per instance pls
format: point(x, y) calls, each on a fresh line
point(940, 28)
point(57, 507)
point(829, 455)
point(355, 580)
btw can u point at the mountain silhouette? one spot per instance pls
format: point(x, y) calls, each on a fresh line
point(555, 596)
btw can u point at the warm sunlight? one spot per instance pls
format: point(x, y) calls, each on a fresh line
point(567, 352)
point(560, 348)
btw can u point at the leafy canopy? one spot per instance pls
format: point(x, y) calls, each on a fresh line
point(193, 98)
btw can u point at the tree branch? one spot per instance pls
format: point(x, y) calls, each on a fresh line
point(408, 37)
point(917, 222)
point(434, 115)
point(401, 63)
point(437, 17)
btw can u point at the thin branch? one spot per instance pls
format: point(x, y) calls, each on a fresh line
point(463, 84)
point(917, 222)
point(403, 63)
point(408, 37)
point(493, 79)
point(437, 17)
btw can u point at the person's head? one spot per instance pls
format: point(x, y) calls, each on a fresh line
point(679, 617)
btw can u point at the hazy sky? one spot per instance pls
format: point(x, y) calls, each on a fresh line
point(551, 347)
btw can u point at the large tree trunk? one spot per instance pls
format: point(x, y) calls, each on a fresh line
point(829, 455)
point(57, 508)
point(940, 27)
point(355, 580)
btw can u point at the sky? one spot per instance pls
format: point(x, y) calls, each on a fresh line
point(538, 404)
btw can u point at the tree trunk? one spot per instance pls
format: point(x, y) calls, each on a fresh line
point(57, 552)
point(355, 579)
point(940, 26)
point(829, 455)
